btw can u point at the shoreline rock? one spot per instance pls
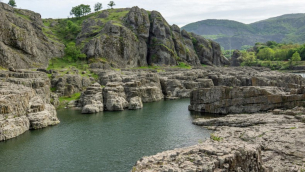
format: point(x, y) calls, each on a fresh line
point(225, 100)
point(24, 103)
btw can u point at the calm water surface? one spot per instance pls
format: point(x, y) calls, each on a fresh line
point(107, 141)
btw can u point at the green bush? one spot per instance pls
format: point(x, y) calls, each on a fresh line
point(73, 53)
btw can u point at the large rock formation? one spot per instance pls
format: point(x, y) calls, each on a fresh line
point(143, 38)
point(24, 103)
point(130, 88)
point(22, 41)
point(280, 136)
point(224, 100)
point(208, 156)
point(235, 58)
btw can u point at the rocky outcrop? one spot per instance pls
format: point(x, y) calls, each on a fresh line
point(142, 38)
point(69, 84)
point(22, 41)
point(224, 100)
point(279, 134)
point(92, 99)
point(119, 45)
point(24, 103)
point(129, 88)
point(208, 51)
point(235, 58)
point(208, 156)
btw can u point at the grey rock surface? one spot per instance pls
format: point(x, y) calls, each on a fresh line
point(22, 41)
point(251, 99)
point(208, 156)
point(24, 103)
point(279, 134)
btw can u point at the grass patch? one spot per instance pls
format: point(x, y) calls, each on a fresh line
point(183, 66)
point(21, 15)
point(62, 66)
point(75, 96)
point(216, 138)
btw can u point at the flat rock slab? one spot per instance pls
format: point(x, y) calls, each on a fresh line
point(280, 136)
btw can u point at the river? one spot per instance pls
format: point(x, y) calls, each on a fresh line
point(107, 141)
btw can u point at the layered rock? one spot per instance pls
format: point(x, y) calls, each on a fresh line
point(224, 100)
point(68, 84)
point(208, 156)
point(22, 41)
point(129, 88)
point(92, 99)
point(24, 103)
point(279, 134)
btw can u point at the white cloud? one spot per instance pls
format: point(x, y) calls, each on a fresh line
point(179, 12)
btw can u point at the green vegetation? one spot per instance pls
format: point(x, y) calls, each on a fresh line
point(273, 55)
point(234, 35)
point(12, 3)
point(111, 4)
point(216, 138)
point(183, 65)
point(64, 65)
point(75, 96)
point(73, 53)
point(80, 10)
point(98, 6)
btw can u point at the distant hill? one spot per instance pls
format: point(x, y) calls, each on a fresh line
point(233, 35)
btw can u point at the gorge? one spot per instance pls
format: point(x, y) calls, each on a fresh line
point(127, 94)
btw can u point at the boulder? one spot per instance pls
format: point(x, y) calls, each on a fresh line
point(135, 103)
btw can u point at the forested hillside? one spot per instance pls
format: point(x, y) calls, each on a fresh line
point(289, 28)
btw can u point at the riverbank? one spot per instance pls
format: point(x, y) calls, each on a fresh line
point(249, 142)
point(106, 141)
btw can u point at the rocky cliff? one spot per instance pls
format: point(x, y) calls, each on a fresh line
point(129, 88)
point(22, 41)
point(134, 37)
point(25, 103)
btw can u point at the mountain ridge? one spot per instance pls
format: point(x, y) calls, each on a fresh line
point(233, 34)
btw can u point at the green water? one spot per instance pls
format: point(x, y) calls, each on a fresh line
point(108, 141)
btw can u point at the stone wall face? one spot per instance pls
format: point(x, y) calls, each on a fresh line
point(225, 100)
point(24, 103)
point(142, 86)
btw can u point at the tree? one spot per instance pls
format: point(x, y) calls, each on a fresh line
point(73, 53)
point(12, 3)
point(111, 4)
point(98, 6)
point(266, 54)
point(80, 10)
point(296, 57)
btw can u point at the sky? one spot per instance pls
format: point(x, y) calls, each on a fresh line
point(180, 12)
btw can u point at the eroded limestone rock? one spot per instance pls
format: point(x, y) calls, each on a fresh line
point(226, 100)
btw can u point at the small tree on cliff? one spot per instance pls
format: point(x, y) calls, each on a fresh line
point(12, 3)
point(111, 4)
point(98, 6)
